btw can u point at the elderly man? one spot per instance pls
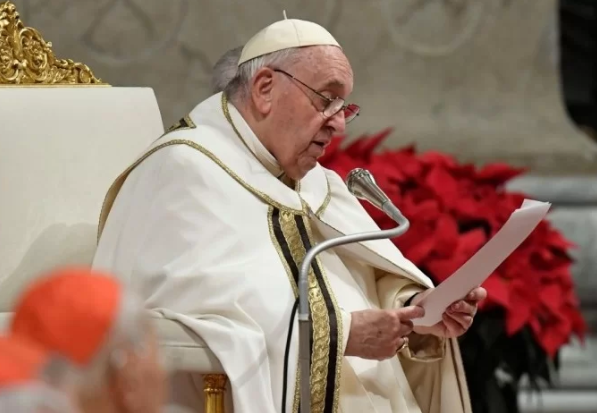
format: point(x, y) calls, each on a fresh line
point(214, 220)
point(32, 380)
point(88, 318)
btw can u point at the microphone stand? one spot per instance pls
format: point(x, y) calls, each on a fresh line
point(362, 185)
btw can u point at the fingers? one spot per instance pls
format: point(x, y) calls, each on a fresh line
point(476, 295)
point(453, 327)
point(462, 307)
point(406, 327)
point(463, 320)
point(408, 313)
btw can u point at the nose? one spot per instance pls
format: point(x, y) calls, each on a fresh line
point(337, 123)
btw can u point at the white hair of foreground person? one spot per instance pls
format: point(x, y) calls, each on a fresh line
point(35, 398)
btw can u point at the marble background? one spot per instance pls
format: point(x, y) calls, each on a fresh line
point(476, 78)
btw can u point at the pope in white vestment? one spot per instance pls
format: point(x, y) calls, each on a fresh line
point(209, 229)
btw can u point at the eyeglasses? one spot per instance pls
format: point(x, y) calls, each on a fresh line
point(333, 106)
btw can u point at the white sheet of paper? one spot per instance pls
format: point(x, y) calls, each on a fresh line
point(479, 267)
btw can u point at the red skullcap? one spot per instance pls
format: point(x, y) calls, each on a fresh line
point(70, 311)
point(20, 361)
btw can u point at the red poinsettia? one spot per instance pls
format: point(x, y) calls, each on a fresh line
point(454, 209)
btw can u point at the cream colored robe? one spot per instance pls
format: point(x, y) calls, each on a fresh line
point(213, 239)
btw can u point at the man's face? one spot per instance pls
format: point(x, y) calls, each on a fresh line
point(298, 130)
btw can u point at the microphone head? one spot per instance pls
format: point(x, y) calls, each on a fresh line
point(361, 184)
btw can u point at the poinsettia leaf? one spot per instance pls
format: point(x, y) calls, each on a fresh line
point(373, 142)
point(578, 324)
point(498, 173)
point(417, 243)
point(434, 159)
point(443, 185)
point(354, 148)
point(551, 297)
point(497, 291)
point(446, 235)
point(404, 161)
point(515, 320)
point(555, 335)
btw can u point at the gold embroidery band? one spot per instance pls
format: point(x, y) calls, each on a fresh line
point(279, 222)
point(333, 342)
point(119, 182)
point(291, 236)
point(184, 123)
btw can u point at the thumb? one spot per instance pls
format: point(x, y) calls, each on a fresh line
point(408, 313)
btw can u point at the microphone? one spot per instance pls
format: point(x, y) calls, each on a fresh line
point(361, 184)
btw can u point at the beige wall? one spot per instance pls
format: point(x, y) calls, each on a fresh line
point(475, 78)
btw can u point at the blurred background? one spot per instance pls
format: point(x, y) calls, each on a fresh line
point(513, 81)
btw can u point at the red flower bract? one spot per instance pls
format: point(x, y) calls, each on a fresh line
point(454, 210)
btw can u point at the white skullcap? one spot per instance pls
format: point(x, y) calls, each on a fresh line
point(286, 34)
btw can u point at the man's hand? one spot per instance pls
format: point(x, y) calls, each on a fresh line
point(457, 318)
point(378, 334)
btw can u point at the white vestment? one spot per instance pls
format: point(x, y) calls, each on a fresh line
point(203, 229)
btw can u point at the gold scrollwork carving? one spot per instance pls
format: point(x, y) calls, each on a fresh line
point(27, 59)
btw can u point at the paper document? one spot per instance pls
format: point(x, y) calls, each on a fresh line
point(476, 270)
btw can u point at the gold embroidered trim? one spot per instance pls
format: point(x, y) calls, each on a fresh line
point(326, 201)
point(228, 117)
point(119, 181)
point(339, 343)
point(185, 123)
point(294, 251)
point(284, 219)
point(321, 322)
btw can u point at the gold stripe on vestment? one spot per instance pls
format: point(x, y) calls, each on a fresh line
point(291, 236)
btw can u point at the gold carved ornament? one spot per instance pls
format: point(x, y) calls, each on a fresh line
point(27, 59)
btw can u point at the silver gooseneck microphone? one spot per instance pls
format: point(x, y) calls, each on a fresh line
point(362, 185)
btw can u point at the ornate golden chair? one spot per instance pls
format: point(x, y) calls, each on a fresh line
point(64, 137)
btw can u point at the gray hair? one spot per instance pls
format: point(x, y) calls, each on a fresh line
point(239, 86)
point(34, 397)
point(128, 333)
point(225, 69)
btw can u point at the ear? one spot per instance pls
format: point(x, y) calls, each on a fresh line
point(262, 90)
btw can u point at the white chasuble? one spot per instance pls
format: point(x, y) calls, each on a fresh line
point(202, 227)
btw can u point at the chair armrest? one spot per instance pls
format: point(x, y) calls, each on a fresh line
point(182, 349)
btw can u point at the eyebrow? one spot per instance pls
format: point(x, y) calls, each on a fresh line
point(334, 83)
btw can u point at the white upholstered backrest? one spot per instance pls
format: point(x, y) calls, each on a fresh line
point(60, 150)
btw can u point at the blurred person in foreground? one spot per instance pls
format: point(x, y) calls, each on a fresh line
point(90, 319)
point(212, 223)
point(32, 380)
